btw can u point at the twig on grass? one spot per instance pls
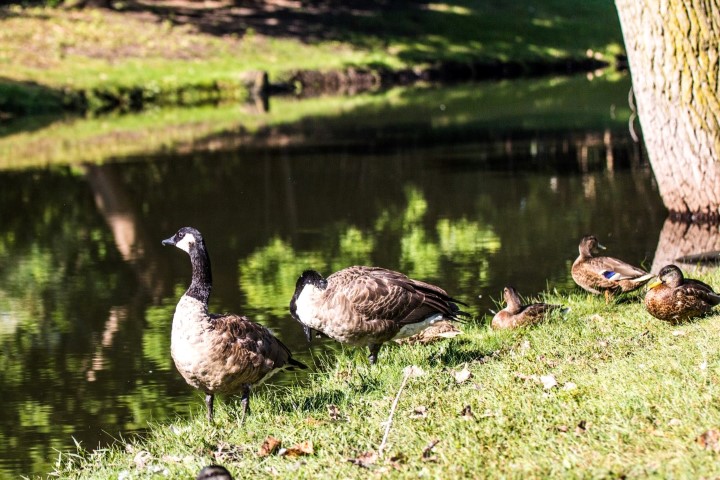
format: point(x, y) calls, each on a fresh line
point(411, 371)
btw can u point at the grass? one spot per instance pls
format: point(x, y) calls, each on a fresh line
point(97, 59)
point(633, 396)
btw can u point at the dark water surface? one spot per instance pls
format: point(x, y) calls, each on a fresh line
point(87, 292)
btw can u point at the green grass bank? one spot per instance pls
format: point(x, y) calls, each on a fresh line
point(605, 392)
point(182, 53)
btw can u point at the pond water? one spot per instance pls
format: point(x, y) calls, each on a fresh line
point(87, 292)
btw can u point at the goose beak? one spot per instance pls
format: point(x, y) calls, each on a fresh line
point(169, 241)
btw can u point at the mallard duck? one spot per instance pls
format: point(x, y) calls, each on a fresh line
point(674, 298)
point(225, 353)
point(605, 275)
point(515, 314)
point(367, 306)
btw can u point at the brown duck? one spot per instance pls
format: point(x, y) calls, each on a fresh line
point(219, 353)
point(515, 314)
point(367, 306)
point(605, 275)
point(674, 298)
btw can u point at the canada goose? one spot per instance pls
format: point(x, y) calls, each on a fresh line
point(214, 472)
point(674, 298)
point(606, 275)
point(366, 306)
point(515, 314)
point(219, 353)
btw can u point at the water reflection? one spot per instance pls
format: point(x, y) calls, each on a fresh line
point(87, 295)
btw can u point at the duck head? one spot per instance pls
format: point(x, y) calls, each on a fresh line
point(589, 245)
point(669, 275)
point(512, 299)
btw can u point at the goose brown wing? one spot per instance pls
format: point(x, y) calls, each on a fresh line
point(377, 293)
point(239, 336)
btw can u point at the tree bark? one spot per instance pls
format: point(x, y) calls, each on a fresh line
point(672, 48)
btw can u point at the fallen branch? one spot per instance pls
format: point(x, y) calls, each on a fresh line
point(411, 371)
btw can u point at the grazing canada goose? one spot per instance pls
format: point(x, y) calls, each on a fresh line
point(214, 472)
point(219, 353)
point(367, 306)
point(515, 314)
point(606, 275)
point(674, 298)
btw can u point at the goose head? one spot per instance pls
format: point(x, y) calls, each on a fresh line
point(214, 472)
point(307, 287)
point(589, 245)
point(186, 239)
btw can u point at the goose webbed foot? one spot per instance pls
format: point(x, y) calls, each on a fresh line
point(209, 397)
point(374, 349)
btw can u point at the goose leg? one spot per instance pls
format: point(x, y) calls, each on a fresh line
point(374, 349)
point(209, 403)
point(245, 402)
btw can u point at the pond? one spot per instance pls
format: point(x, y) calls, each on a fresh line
point(467, 195)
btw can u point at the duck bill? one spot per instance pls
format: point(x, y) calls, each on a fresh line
point(601, 246)
point(655, 283)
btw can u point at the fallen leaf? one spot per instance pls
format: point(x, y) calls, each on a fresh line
point(710, 440)
point(679, 333)
point(569, 386)
point(333, 412)
point(674, 422)
point(581, 427)
point(548, 381)
point(269, 446)
point(463, 375)
point(427, 455)
point(413, 371)
point(419, 412)
point(562, 428)
point(303, 448)
point(467, 414)
point(141, 459)
point(365, 459)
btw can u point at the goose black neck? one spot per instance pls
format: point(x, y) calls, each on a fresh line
point(201, 274)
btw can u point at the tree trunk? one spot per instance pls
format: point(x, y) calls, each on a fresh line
point(672, 48)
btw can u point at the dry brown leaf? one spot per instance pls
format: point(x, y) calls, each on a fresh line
point(462, 375)
point(365, 459)
point(412, 371)
point(562, 428)
point(548, 381)
point(333, 412)
point(427, 454)
point(269, 446)
point(420, 411)
point(710, 440)
point(467, 414)
point(301, 449)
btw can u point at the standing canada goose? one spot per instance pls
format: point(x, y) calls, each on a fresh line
point(367, 306)
point(515, 314)
point(674, 298)
point(219, 353)
point(606, 275)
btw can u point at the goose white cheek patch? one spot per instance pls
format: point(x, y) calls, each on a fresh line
point(185, 243)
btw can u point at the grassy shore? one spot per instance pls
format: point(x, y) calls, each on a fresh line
point(93, 60)
point(605, 392)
